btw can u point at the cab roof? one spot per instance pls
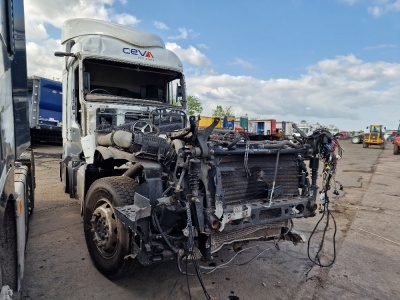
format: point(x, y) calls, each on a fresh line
point(73, 28)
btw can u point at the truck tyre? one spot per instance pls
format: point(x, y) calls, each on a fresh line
point(365, 145)
point(31, 196)
point(355, 140)
point(8, 248)
point(107, 239)
point(395, 149)
point(64, 177)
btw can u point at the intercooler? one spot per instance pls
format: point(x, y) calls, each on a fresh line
point(259, 193)
point(243, 185)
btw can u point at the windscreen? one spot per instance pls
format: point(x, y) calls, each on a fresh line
point(375, 128)
point(120, 81)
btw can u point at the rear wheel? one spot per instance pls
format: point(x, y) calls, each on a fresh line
point(107, 239)
point(395, 149)
point(355, 140)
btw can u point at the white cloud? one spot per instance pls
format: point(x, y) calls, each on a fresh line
point(352, 68)
point(41, 13)
point(160, 25)
point(350, 2)
point(242, 63)
point(190, 55)
point(124, 19)
point(203, 46)
point(55, 12)
point(384, 6)
point(35, 30)
point(336, 89)
point(183, 34)
point(376, 11)
point(41, 60)
point(382, 46)
point(377, 8)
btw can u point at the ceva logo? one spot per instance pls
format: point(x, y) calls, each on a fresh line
point(133, 51)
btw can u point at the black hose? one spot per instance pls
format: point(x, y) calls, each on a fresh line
point(164, 236)
point(317, 260)
point(196, 264)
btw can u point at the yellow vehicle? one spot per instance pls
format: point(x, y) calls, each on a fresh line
point(204, 122)
point(375, 136)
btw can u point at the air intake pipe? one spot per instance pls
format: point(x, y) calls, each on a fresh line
point(135, 142)
point(119, 138)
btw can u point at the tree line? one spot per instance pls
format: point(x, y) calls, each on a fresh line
point(195, 107)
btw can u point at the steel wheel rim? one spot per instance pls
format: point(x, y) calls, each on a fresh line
point(104, 228)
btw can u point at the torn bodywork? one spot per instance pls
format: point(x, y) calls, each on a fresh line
point(205, 189)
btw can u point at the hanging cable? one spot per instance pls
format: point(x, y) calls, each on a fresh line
point(228, 263)
point(187, 281)
point(326, 146)
point(317, 259)
point(192, 254)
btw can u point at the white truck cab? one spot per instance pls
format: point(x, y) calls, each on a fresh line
point(114, 75)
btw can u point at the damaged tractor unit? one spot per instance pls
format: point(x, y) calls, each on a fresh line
point(151, 184)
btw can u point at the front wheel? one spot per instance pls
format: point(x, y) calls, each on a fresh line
point(107, 239)
point(395, 149)
point(365, 145)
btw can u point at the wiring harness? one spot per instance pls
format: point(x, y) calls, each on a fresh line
point(326, 148)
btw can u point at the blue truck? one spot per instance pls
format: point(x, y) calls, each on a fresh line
point(45, 109)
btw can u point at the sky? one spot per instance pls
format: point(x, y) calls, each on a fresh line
point(335, 62)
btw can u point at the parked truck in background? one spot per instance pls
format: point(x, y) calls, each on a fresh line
point(152, 185)
point(308, 129)
point(257, 129)
point(396, 142)
point(285, 127)
point(17, 171)
point(45, 109)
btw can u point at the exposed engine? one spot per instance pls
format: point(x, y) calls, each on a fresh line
point(210, 188)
